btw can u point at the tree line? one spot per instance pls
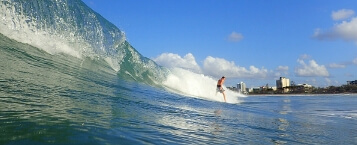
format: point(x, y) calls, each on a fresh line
point(308, 90)
point(336, 89)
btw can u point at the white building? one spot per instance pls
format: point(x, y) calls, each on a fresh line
point(283, 84)
point(241, 88)
point(305, 85)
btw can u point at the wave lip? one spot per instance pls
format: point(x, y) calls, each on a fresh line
point(61, 26)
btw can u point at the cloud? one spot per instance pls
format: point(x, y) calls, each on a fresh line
point(282, 68)
point(342, 64)
point(335, 65)
point(216, 67)
point(235, 37)
point(220, 67)
point(346, 30)
point(305, 56)
point(171, 60)
point(342, 14)
point(310, 70)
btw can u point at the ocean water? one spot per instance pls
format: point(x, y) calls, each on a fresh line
point(68, 76)
point(60, 99)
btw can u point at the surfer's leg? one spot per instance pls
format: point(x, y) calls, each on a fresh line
point(224, 96)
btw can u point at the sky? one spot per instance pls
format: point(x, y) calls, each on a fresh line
point(257, 42)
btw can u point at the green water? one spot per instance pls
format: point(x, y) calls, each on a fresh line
point(59, 99)
point(49, 95)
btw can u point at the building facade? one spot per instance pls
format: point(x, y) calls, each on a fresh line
point(283, 84)
point(241, 88)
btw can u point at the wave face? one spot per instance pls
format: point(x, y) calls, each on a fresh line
point(71, 27)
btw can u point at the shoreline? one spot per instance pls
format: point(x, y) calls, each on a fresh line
point(284, 95)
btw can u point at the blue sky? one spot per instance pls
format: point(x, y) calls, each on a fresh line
point(255, 41)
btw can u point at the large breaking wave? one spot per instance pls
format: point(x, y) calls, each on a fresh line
point(70, 27)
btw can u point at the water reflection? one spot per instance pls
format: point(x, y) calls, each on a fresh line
point(283, 124)
point(218, 112)
point(286, 107)
point(217, 128)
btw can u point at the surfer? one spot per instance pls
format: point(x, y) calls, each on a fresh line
point(220, 87)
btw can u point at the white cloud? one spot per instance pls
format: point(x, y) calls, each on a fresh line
point(335, 65)
point(342, 14)
point(171, 60)
point(282, 68)
point(220, 67)
point(311, 69)
point(235, 37)
point(346, 30)
point(305, 56)
point(319, 34)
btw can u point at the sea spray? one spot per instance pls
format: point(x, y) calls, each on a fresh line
point(200, 86)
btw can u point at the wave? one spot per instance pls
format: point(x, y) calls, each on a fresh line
point(196, 85)
point(72, 28)
point(63, 26)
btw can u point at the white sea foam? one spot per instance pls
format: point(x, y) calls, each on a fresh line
point(61, 30)
point(191, 84)
point(49, 43)
point(24, 29)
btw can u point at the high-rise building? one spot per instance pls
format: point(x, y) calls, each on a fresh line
point(283, 84)
point(241, 87)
